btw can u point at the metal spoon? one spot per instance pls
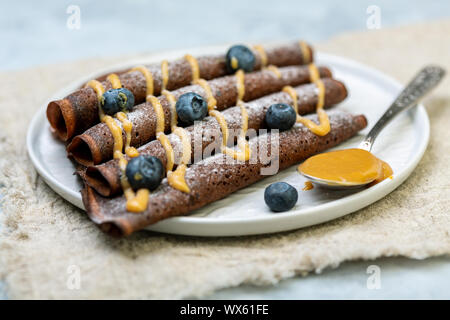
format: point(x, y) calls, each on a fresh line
point(420, 85)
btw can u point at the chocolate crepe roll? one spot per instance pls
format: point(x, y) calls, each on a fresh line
point(105, 178)
point(79, 111)
point(218, 176)
point(96, 144)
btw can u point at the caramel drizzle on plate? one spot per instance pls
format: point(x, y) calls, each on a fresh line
point(323, 127)
point(176, 178)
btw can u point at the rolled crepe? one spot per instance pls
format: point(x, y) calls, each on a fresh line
point(105, 178)
point(218, 176)
point(79, 111)
point(96, 145)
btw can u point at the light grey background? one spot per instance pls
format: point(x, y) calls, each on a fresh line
point(35, 32)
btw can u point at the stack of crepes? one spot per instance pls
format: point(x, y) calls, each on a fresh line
point(102, 145)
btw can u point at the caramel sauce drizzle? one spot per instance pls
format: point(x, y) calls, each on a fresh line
point(115, 129)
point(274, 70)
point(127, 127)
point(176, 178)
point(291, 91)
point(323, 127)
point(244, 149)
point(314, 74)
point(136, 202)
point(148, 78)
point(210, 100)
point(240, 85)
point(164, 74)
point(264, 61)
point(114, 80)
point(116, 132)
point(305, 52)
point(308, 186)
point(186, 144)
point(234, 63)
point(262, 54)
point(162, 138)
point(97, 86)
point(173, 110)
point(160, 125)
point(223, 126)
point(195, 70)
point(243, 153)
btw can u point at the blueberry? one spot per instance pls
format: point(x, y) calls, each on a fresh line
point(116, 100)
point(240, 57)
point(191, 107)
point(280, 116)
point(280, 196)
point(144, 172)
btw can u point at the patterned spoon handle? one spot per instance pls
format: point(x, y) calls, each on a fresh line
point(420, 85)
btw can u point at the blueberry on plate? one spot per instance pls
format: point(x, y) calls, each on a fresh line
point(191, 107)
point(280, 196)
point(280, 116)
point(240, 57)
point(116, 100)
point(144, 172)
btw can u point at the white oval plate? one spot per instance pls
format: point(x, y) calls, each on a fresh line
point(401, 144)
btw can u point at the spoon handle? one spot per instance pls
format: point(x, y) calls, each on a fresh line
point(421, 84)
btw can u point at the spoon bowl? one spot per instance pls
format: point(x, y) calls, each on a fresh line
point(335, 185)
point(421, 84)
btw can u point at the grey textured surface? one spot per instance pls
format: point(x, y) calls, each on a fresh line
point(36, 33)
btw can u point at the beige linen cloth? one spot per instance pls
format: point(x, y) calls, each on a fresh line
point(41, 235)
